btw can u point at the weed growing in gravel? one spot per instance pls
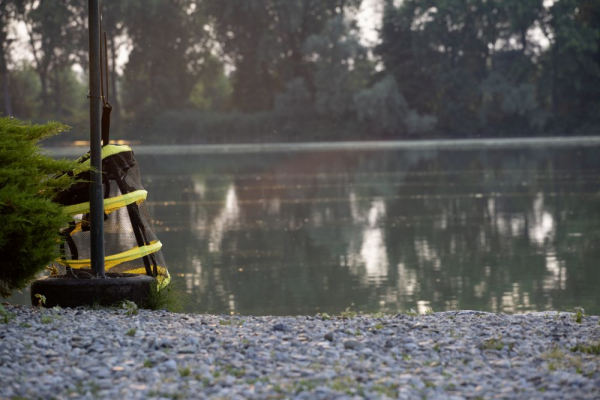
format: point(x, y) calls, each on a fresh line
point(428, 311)
point(41, 300)
point(412, 313)
point(579, 314)
point(237, 372)
point(5, 315)
point(348, 314)
point(171, 298)
point(323, 316)
point(130, 307)
point(131, 332)
point(378, 327)
point(148, 364)
point(389, 391)
point(46, 319)
point(492, 344)
point(231, 322)
point(185, 371)
point(343, 384)
point(305, 386)
point(587, 349)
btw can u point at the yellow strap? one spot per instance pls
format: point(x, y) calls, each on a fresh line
point(116, 259)
point(111, 204)
point(110, 150)
point(163, 278)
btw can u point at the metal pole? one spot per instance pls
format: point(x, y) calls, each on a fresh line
point(96, 192)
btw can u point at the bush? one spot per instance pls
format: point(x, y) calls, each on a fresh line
point(29, 220)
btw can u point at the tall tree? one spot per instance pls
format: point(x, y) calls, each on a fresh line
point(168, 54)
point(54, 42)
point(456, 59)
point(572, 64)
point(264, 39)
point(9, 10)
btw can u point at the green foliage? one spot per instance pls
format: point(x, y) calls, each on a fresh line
point(348, 314)
point(587, 349)
point(29, 220)
point(130, 307)
point(5, 315)
point(323, 316)
point(41, 300)
point(131, 332)
point(332, 66)
point(475, 65)
point(493, 344)
point(579, 313)
point(279, 70)
point(171, 298)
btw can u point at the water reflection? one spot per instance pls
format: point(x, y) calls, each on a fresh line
point(369, 251)
point(303, 233)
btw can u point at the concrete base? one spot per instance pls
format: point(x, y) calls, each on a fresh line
point(75, 292)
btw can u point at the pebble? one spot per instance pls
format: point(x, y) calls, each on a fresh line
point(87, 354)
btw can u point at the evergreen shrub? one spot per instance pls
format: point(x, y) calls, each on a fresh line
point(29, 221)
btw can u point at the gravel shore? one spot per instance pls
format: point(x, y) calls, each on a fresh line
point(111, 353)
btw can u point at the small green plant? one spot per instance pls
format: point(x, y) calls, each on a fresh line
point(587, 349)
point(412, 313)
point(5, 315)
point(130, 307)
point(579, 314)
point(348, 314)
point(324, 316)
point(378, 326)
point(237, 372)
point(428, 311)
point(41, 300)
point(185, 371)
point(493, 344)
point(46, 319)
point(131, 332)
point(171, 298)
point(148, 363)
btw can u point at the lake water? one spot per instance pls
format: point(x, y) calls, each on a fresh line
point(287, 233)
point(504, 230)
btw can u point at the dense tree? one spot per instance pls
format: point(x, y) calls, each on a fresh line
point(169, 51)
point(471, 63)
point(291, 68)
point(55, 41)
point(9, 9)
point(572, 65)
point(264, 40)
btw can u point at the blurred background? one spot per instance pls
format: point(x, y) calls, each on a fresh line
point(243, 71)
point(499, 225)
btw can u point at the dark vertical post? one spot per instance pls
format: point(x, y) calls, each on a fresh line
point(96, 192)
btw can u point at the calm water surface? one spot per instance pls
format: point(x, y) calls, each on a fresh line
point(300, 233)
point(289, 233)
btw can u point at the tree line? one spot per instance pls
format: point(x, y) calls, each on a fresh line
point(294, 70)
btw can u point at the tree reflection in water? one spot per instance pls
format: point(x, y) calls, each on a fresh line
point(300, 233)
